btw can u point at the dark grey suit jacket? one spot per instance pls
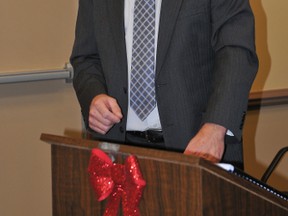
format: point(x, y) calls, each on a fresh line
point(206, 63)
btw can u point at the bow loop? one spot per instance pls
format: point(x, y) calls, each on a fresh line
point(117, 182)
point(103, 183)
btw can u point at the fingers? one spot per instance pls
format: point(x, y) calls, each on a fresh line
point(104, 113)
point(211, 151)
point(208, 143)
point(205, 156)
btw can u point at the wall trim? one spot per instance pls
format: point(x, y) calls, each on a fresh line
point(267, 98)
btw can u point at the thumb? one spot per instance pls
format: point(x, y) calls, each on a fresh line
point(115, 108)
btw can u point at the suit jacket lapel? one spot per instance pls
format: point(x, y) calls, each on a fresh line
point(116, 19)
point(168, 17)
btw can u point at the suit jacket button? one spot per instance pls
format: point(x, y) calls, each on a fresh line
point(243, 120)
point(121, 129)
point(125, 90)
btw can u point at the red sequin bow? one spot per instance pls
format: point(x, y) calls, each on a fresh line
point(118, 182)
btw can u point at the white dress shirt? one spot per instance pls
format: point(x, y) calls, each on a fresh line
point(133, 122)
point(152, 122)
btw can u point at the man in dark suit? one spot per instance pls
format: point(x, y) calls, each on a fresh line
point(205, 63)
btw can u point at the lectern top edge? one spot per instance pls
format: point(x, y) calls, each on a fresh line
point(154, 154)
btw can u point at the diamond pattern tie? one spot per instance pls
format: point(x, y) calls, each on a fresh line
point(142, 83)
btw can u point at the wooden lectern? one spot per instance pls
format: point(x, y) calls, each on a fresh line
point(177, 185)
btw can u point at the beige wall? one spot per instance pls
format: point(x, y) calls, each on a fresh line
point(34, 35)
point(265, 133)
point(38, 34)
point(27, 110)
point(271, 42)
point(266, 129)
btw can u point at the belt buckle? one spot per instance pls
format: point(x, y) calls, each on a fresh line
point(147, 136)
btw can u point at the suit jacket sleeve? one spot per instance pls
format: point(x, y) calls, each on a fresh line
point(235, 63)
point(89, 79)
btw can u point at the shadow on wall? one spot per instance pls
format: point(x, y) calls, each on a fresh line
point(264, 69)
point(265, 60)
point(252, 166)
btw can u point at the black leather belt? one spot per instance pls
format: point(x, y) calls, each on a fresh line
point(149, 135)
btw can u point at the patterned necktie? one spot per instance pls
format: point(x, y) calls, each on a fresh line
point(142, 84)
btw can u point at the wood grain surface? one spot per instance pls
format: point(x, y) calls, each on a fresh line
point(176, 184)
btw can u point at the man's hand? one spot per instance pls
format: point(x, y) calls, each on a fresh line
point(208, 143)
point(104, 113)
